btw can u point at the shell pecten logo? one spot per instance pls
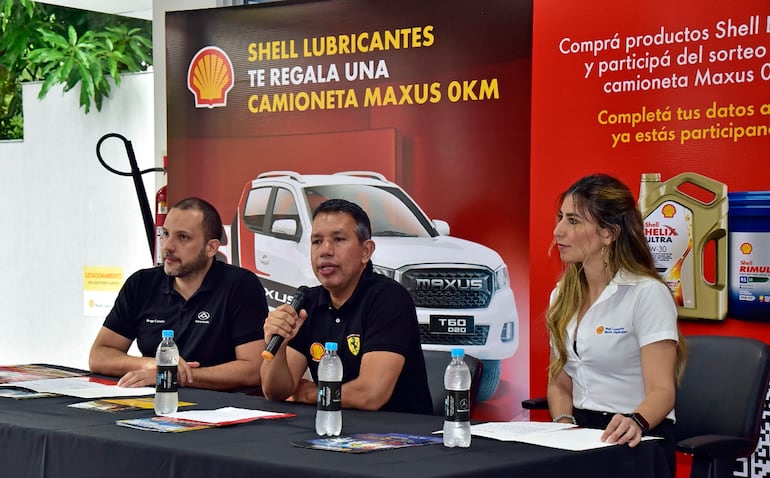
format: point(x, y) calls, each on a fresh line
point(317, 351)
point(210, 77)
point(747, 248)
point(668, 211)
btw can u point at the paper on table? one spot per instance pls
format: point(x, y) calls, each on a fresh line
point(512, 431)
point(570, 439)
point(227, 415)
point(565, 437)
point(82, 387)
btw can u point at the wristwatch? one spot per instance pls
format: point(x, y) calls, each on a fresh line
point(642, 422)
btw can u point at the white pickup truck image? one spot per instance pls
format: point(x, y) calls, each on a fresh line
point(460, 288)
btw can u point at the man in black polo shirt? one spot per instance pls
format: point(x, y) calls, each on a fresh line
point(216, 311)
point(371, 317)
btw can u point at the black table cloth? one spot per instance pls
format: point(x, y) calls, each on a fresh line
point(44, 438)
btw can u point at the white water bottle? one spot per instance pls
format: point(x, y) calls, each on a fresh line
point(167, 360)
point(328, 418)
point(457, 401)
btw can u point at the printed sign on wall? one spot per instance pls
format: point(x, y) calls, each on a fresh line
point(100, 289)
point(418, 111)
point(673, 90)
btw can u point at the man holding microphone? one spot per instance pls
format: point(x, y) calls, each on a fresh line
point(371, 317)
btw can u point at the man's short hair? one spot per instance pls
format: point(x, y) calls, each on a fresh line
point(212, 223)
point(363, 226)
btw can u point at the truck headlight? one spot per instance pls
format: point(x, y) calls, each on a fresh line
point(384, 271)
point(501, 278)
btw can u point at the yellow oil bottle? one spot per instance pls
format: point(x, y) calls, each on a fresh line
point(679, 224)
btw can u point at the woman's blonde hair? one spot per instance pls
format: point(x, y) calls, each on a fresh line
point(610, 204)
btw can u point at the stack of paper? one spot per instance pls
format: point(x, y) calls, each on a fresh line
point(554, 435)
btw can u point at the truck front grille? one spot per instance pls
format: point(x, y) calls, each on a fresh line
point(451, 288)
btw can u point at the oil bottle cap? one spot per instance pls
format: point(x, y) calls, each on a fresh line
point(651, 177)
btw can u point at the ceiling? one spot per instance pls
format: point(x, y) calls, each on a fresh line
point(129, 8)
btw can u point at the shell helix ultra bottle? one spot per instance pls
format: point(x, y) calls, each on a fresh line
point(678, 226)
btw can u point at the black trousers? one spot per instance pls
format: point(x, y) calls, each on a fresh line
point(665, 430)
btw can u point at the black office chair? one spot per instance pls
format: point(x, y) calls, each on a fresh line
point(719, 402)
point(435, 364)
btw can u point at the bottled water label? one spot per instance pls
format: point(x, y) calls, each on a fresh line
point(167, 378)
point(329, 396)
point(457, 406)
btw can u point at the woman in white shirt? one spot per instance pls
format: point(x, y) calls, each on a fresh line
point(616, 351)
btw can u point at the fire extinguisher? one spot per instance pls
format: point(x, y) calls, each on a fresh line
point(161, 209)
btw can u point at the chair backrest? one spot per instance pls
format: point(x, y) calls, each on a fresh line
point(724, 388)
point(435, 364)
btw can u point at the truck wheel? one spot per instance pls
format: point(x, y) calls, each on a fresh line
point(490, 378)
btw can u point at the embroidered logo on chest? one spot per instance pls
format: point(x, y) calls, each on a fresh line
point(317, 351)
point(604, 330)
point(354, 344)
point(203, 317)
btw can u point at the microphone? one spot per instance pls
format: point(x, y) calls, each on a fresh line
point(276, 340)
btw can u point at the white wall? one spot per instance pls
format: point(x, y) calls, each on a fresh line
point(63, 211)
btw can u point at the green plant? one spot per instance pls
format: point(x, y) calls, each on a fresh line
point(62, 46)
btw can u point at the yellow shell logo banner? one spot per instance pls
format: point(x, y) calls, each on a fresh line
point(210, 77)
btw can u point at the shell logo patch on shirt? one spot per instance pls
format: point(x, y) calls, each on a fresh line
point(603, 330)
point(354, 344)
point(317, 351)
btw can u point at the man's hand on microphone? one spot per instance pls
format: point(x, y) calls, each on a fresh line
point(284, 321)
point(278, 378)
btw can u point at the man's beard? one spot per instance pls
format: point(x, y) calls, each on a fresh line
point(197, 264)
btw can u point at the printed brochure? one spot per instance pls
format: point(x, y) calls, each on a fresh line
point(367, 442)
